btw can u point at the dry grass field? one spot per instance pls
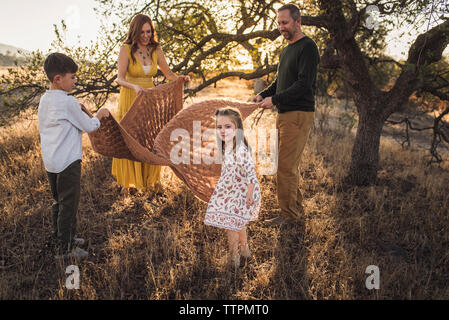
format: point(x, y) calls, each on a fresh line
point(158, 248)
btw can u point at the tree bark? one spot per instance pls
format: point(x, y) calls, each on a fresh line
point(373, 105)
point(365, 153)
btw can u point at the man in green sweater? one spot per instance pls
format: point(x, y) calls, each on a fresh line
point(293, 94)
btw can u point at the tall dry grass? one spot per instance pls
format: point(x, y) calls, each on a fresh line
point(159, 248)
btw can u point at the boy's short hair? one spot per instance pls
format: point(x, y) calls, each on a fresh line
point(294, 10)
point(58, 63)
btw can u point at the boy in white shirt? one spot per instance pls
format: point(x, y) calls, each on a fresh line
point(61, 123)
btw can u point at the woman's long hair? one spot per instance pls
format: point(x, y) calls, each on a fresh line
point(135, 29)
point(239, 138)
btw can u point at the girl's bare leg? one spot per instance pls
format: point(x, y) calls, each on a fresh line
point(233, 241)
point(243, 239)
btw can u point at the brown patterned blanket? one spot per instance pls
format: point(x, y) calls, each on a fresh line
point(157, 117)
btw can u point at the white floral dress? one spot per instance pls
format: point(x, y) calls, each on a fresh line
point(227, 205)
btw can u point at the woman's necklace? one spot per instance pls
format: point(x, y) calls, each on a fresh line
point(146, 56)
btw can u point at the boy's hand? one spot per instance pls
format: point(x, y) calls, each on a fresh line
point(102, 113)
point(249, 200)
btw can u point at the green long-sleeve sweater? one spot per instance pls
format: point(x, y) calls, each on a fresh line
point(295, 84)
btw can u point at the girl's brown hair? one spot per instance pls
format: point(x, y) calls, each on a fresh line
point(135, 29)
point(236, 117)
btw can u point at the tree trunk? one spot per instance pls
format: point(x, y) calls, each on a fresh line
point(365, 153)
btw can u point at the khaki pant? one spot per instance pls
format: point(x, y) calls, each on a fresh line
point(293, 129)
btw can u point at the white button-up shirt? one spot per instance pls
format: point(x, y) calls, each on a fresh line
point(61, 123)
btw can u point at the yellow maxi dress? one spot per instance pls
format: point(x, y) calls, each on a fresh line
point(131, 174)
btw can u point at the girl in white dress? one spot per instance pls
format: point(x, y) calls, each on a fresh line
point(236, 198)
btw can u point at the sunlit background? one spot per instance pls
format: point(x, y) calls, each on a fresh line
point(29, 24)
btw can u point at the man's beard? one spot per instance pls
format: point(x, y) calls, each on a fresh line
point(288, 34)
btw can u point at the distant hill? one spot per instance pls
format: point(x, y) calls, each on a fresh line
point(11, 50)
point(9, 54)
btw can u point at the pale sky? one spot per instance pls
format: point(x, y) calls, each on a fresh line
point(28, 24)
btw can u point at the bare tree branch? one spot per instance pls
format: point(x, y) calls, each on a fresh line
point(242, 75)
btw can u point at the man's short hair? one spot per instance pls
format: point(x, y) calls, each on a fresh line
point(294, 10)
point(58, 63)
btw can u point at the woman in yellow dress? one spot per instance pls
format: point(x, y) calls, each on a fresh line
point(138, 61)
